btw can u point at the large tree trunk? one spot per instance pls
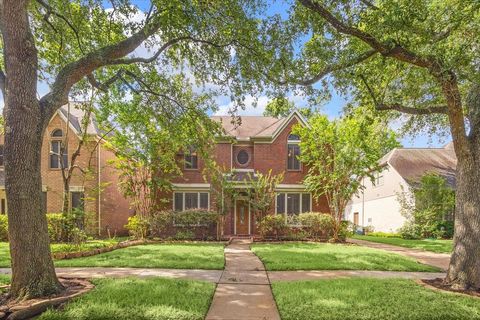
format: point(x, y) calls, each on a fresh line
point(464, 269)
point(33, 273)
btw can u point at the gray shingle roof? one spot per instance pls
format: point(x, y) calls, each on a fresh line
point(413, 163)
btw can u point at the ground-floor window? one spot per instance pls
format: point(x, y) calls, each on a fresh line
point(293, 203)
point(190, 200)
point(77, 200)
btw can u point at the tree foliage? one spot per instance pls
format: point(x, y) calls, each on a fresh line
point(261, 191)
point(339, 154)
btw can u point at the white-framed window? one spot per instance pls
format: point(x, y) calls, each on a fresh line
point(293, 203)
point(293, 152)
point(378, 179)
point(58, 150)
point(191, 200)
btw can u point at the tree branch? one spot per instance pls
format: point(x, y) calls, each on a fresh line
point(396, 50)
point(441, 109)
point(336, 67)
point(380, 106)
point(75, 71)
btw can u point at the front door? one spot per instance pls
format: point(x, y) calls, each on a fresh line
point(242, 217)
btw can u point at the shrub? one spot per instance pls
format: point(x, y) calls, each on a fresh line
point(3, 227)
point(184, 235)
point(57, 227)
point(344, 231)
point(195, 218)
point(296, 234)
point(160, 222)
point(137, 227)
point(410, 231)
point(317, 225)
point(445, 229)
point(272, 225)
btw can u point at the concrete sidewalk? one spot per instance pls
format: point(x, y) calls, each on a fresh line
point(439, 260)
point(99, 272)
point(244, 289)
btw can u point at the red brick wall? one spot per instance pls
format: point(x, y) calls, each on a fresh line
point(114, 207)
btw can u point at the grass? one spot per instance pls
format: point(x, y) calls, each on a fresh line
point(433, 245)
point(325, 256)
point(133, 298)
point(175, 256)
point(364, 298)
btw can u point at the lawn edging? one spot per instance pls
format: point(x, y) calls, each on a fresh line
point(92, 252)
point(32, 308)
point(121, 245)
point(438, 289)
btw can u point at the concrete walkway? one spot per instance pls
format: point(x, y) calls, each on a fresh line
point(439, 260)
point(100, 272)
point(244, 290)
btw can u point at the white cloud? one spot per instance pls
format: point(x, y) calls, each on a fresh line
point(250, 108)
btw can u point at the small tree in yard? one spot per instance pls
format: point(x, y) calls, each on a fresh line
point(338, 154)
point(261, 192)
point(429, 211)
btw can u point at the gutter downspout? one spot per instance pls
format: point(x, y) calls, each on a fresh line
point(99, 194)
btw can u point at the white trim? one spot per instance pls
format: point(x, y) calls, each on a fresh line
point(235, 217)
point(76, 189)
point(294, 114)
point(191, 185)
point(290, 186)
point(242, 170)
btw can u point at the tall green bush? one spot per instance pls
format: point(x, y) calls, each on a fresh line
point(3, 227)
point(317, 225)
point(137, 227)
point(430, 214)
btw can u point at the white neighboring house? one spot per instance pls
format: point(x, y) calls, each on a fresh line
point(378, 204)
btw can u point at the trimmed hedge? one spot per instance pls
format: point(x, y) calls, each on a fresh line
point(185, 225)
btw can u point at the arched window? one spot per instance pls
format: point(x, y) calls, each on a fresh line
point(293, 151)
point(58, 150)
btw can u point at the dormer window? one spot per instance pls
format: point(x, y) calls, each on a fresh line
point(58, 150)
point(293, 151)
point(191, 159)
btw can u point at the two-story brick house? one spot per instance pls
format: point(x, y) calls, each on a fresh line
point(257, 144)
point(95, 191)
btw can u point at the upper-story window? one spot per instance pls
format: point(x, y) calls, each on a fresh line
point(243, 157)
point(191, 159)
point(1, 155)
point(378, 179)
point(58, 150)
point(293, 149)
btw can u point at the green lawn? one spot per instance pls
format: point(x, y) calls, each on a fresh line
point(175, 256)
point(434, 245)
point(325, 256)
point(364, 298)
point(133, 298)
point(61, 247)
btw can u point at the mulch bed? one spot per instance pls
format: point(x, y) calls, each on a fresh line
point(13, 310)
point(438, 285)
